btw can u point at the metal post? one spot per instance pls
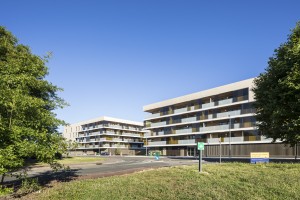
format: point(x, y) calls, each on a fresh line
point(200, 160)
point(220, 150)
point(229, 137)
point(146, 147)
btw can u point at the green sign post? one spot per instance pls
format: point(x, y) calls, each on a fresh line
point(200, 148)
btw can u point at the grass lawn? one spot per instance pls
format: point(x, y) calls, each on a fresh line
point(225, 181)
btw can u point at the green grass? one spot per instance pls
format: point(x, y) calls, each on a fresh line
point(226, 181)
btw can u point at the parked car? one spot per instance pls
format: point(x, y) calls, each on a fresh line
point(104, 153)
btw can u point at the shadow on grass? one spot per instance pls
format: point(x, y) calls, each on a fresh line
point(43, 179)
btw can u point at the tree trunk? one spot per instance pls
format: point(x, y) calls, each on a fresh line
point(296, 151)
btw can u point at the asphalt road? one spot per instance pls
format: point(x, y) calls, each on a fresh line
point(111, 166)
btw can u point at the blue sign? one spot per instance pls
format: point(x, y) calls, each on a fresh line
point(259, 160)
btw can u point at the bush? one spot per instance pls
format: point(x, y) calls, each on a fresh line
point(5, 191)
point(29, 185)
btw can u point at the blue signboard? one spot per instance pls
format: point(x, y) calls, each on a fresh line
point(259, 160)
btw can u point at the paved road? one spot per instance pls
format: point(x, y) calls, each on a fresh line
point(111, 166)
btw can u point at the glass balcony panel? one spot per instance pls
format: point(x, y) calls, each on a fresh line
point(234, 139)
point(189, 119)
point(191, 141)
point(225, 101)
point(189, 130)
point(158, 124)
point(180, 110)
point(152, 115)
point(208, 105)
point(158, 143)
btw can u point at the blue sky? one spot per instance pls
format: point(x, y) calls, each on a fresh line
point(114, 57)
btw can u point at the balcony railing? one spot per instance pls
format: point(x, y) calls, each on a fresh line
point(189, 130)
point(189, 119)
point(227, 114)
point(225, 101)
point(147, 134)
point(225, 139)
point(191, 141)
point(158, 143)
point(158, 124)
point(207, 105)
point(220, 127)
point(153, 115)
point(180, 110)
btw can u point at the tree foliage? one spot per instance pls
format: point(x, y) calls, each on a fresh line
point(28, 126)
point(277, 92)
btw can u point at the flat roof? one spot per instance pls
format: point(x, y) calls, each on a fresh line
point(198, 95)
point(111, 119)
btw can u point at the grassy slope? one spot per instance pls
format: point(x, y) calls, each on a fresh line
point(226, 181)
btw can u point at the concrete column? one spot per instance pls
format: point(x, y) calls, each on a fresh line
point(182, 152)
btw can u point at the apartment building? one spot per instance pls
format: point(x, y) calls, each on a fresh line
point(107, 134)
point(222, 118)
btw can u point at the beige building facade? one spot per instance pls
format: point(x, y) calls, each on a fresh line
point(223, 118)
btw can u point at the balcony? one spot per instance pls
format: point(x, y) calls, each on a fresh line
point(131, 134)
point(157, 143)
point(191, 141)
point(118, 146)
point(133, 141)
point(220, 127)
point(158, 124)
point(188, 130)
point(110, 133)
point(180, 110)
point(153, 115)
point(115, 126)
point(147, 134)
point(208, 105)
point(225, 139)
point(189, 119)
point(225, 101)
point(227, 114)
point(119, 140)
point(159, 133)
point(95, 133)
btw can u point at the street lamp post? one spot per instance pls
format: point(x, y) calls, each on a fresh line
point(229, 136)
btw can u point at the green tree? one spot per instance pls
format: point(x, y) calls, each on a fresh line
point(28, 126)
point(277, 92)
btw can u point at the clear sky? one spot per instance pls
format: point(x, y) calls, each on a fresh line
point(113, 57)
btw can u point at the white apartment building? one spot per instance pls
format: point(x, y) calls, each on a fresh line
point(107, 134)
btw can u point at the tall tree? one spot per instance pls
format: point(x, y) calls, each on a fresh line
point(28, 126)
point(277, 92)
